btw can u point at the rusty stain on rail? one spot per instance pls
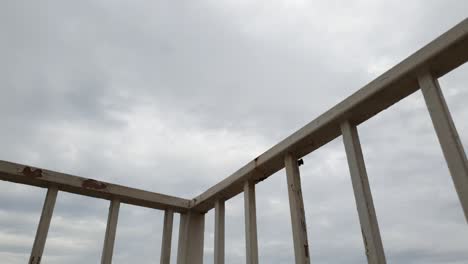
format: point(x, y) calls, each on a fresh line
point(93, 184)
point(28, 172)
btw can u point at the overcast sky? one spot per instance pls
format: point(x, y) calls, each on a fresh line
point(174, 96)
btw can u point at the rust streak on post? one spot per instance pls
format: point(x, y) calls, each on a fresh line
point(296, 206)
point(363, 196)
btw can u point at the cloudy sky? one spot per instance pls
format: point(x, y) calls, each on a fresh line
point(173, 96)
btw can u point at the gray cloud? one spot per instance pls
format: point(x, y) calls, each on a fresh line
point(173, 96)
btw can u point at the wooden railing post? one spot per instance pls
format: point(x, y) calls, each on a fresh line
point(167, 237)
point(111, 229)
point(362, 193)
point(219, 245)
point(251, 242)
point(296, 206)
point(191, 238)
point(448, 136)
point(43, 227)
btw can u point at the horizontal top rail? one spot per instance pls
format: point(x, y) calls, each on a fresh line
point(441, 56)
point(45, 178)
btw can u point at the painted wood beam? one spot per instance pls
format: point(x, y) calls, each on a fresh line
point(89, 187)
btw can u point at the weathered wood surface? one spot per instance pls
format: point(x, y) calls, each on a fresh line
point(296, 206)
point(362, 193)
point(45, 178)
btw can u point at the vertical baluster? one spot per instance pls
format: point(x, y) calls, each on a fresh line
point(167, 237)
point(362, 193)
point(43, 227)
point(191, 238)
point(448, 136)
point(219, 232)
point(296, 205)
point(111, 229)
point(251, 242)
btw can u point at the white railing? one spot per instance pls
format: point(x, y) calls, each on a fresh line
point(419, 71)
